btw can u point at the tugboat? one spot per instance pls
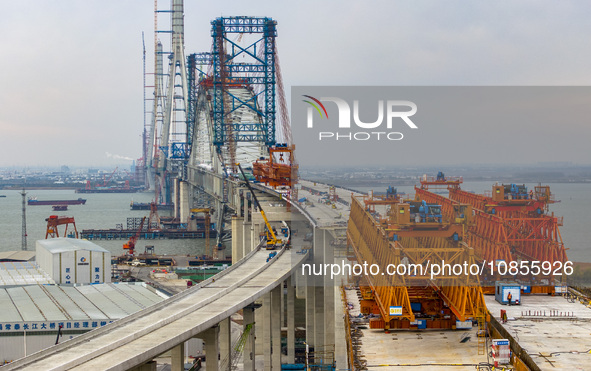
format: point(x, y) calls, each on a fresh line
point(59, 207)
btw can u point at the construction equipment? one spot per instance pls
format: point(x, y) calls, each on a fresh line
point(130, 245)
point(272, 240)
point(53, 221)
point(413, 234)
point(509, 224)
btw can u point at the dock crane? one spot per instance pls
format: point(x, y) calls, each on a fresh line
point(130, 245)
point(53, 221)
point(272, 239)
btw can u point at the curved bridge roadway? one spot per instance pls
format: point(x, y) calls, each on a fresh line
point(143, 336)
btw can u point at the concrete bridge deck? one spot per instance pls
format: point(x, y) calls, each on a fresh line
point(139, 338)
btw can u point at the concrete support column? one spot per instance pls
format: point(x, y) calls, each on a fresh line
point(319, 322)
point(212, 349)
point(176, 197)
point(340, 335)
point(184, 206)
point(276, 297)
point(177, 358)
point(150, 366)
point(267, 310)
point(310, 296)
point(225, 343)
point(329, 292)
point(249, 345)
point(246, 237)
point(237, 239)
point(259, 316)
point(300, 284)
point(290, 320)
point(245, 207)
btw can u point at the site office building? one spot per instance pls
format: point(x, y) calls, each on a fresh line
point(74, 261)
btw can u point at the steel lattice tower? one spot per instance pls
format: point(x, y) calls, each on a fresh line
point(257, 72)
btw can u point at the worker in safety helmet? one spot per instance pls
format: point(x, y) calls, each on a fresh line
point(509, 297)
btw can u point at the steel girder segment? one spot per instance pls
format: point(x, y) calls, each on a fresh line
point(486, 234)
point(531, 235)
point(476, 200)
point(462, 293)
point(370, 244)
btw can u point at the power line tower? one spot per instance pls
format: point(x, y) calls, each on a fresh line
point(24, 231)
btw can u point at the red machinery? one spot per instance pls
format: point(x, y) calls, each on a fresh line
point(276, 172)
point(510, 224)
point(130, 245)
point(52, 223)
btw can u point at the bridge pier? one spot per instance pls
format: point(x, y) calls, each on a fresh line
point(290, 320)
point(249, 345)
point(225, 343)
point(237, 239)
point(267, 323)
point(184, 202)
point(149, 366)
point(310, 309)
point(211, 339)
point(276, 298)
point(329, 292)
point(177, 358)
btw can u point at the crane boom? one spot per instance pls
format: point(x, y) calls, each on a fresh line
point(272, 241)
point(130, 245)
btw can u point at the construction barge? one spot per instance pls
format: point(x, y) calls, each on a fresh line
point(125, 234)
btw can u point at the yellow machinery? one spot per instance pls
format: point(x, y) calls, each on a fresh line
point(272, 240)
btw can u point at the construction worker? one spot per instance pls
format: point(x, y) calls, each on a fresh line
point(509, 297)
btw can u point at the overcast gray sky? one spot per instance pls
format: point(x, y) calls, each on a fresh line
point(71, 70)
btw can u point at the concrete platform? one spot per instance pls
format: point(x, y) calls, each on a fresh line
point(417, 350)
point(554, 332)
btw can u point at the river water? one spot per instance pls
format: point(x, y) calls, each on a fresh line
point(101, 211)
point(104, 211)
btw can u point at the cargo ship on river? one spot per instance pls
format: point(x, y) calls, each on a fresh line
point(33, 201)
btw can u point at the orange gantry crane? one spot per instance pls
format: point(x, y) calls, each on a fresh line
point(510, 225)
point(412, 236)
point(54, 221)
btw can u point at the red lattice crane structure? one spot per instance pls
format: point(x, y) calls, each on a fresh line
point(391, 232)
point(130, 245)
point(510, 224)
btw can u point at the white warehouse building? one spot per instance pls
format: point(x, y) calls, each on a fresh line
point(71, 261)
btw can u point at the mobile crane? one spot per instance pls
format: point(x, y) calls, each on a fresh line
point(272, 240)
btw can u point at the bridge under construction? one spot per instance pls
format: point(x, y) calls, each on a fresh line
point(223, 109)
